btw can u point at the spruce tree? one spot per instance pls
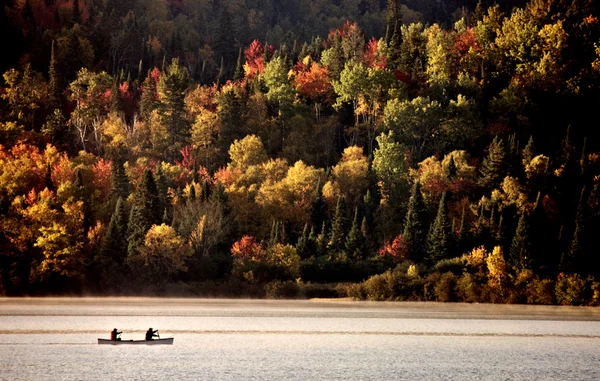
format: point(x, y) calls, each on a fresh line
point(355, 240)
point(48, 183)
point(114, 243)
point(528, 152)
point(493, 168)
point(322, 241)
point(450, 169)
point(302, 246)
point(440, 239)
point(415, 225)
point(339, 225)
point(119, 183)
point(520, 246)
point(149, 97)
point(239, 68)
point(172, 87)
point(318, 209)
point(54, 86)
point(145, 212)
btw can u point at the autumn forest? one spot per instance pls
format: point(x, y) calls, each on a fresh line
point(438, 150)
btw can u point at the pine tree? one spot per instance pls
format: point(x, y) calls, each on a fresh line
point(493, 168)
point(149, 97)
point(520, 246)
point(528, 152)
point(221, 75)
point(114, 243)
point(225, 44)
point(415, 226)
point(450, 169)
point(115, 98)
point(302, 246)
point(172, 87)
point(48, 183)
point(339, 225)
point(322, 241)
point(145, 212)
point(355, 240)
point(439, 241)
point(119, 183)
point(239, 69)
point(54, 85)
point(318, 209)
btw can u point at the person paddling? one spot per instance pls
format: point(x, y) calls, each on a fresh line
point(150, 334)
point(114, 335)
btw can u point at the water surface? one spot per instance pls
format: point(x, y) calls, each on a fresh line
point(55, 339)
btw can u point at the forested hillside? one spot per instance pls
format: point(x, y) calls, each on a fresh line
point(409, 150)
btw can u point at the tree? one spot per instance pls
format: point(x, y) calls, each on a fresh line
point(149, 98)
point(493, 168)
point(339, 225)
point(145, 212)
point(119, 183)
point(440, 239)
point(55, 89)
point(355, 241)
point(172, 87)
point(162, 255)
point(415, 226)
point(113, 250)
point(520, 246)
point(389, 165)
point(246, 152)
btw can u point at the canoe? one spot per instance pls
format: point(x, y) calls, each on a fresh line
point(168, 341)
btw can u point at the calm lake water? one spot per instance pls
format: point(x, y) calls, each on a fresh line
point(55, 339)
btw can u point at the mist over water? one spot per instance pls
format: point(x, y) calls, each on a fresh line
point(43, 339)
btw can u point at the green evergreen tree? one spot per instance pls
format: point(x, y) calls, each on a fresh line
point(355, 240)
point(172, 87)
point(319, 208)
point(520, 246)
point(440, 240)
point(415, 225)
point(119, 183)
point(239, 67)
point(145, 212)
point(529, 151)
point(493, 168)
point(114, 244)
point(225, 45)
point(164, 200)
point(339, 225)
point(450, 169)
point(116, 104)
point(55, 91)
point(322, 241)
point(302, 246)
point(149, 97)
point(48, 183)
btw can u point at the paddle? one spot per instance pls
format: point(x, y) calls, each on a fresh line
point(158, 334)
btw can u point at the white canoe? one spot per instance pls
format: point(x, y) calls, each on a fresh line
point(168, 341)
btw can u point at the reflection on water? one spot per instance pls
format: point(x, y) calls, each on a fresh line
point(266, 340)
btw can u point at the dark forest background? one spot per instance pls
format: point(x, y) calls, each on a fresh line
point(386, 150)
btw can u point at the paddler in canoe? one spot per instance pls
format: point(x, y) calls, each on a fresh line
point(150, 334)
point(114, 335)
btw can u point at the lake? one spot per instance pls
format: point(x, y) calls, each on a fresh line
point(55, 339)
